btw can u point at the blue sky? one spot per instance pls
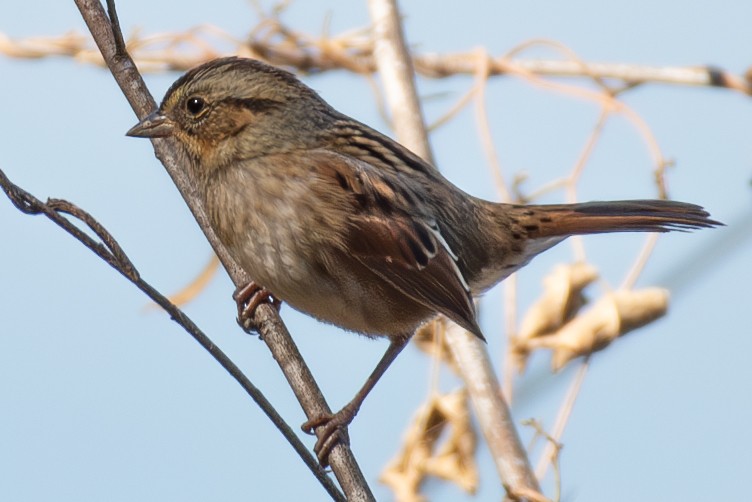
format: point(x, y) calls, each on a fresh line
point(105, 399)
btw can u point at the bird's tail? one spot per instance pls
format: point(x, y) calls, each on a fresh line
point(561, 220)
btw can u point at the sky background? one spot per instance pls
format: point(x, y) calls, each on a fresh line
point(102, 398)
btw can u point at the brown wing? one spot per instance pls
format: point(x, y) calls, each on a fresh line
point(394, 236)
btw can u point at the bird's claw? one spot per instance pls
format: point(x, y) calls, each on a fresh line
point(248, 298)
point(331, 430)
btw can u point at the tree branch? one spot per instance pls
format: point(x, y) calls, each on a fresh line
point(493, 414)
point(106, 33)
point(111, 252)
point(306, 53)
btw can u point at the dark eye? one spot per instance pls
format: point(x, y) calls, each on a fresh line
point(195, 105)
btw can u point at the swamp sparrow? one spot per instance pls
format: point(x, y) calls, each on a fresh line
point(345, 224)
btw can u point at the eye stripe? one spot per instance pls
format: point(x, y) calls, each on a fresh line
point(255, 105)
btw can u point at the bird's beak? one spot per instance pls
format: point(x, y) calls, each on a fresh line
point(154, 125)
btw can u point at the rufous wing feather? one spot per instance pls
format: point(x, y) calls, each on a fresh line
point(409, 256)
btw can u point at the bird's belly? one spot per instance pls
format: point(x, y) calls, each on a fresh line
point(291, 244)
point(339, 292)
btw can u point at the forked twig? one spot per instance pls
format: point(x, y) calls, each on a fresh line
point(110, 251)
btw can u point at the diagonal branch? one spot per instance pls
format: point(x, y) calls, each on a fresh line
point(107, 35)
point(110, 251)
point(493, 413)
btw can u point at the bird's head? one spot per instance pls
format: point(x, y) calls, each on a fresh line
point(232, 109)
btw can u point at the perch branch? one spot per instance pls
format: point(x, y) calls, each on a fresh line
point(106, 31)
point(498, 427)
point(110, 251)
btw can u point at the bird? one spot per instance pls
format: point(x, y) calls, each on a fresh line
point(343, 223)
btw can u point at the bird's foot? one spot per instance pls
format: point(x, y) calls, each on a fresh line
point(248, 298)
point(331, 429)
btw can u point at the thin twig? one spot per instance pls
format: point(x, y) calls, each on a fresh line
point(640, 262)
point(540, 432)
point(576, 241)
point(282, 46)
point(510, 328)
point(552, 447)
point(484, 129)
point(110, 251)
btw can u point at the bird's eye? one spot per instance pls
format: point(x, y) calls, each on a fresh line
point(195, 105)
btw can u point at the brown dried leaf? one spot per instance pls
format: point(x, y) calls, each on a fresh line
point(560, 301)
point(612, 316)
point(424, 455)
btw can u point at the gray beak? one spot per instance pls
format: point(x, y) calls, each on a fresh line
point(154, 125)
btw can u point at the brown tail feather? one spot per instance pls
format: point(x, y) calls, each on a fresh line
point(614, 216)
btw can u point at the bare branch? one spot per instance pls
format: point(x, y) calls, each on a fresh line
point(398, 78)
point(111, 252)
point(268, 322)
point(470, 353)
point(492, 411)
point(551, 452)
point(353, 51)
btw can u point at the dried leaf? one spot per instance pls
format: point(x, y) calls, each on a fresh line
point(612, 316)
point(561, 299)
point(423, 454)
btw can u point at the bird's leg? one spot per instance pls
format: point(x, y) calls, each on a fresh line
point(335, 425)
point(248, 298)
